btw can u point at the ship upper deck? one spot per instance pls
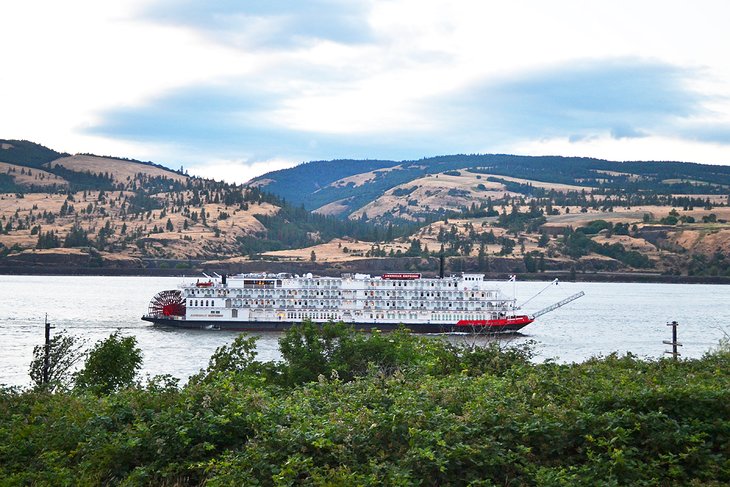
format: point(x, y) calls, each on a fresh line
point(464, 287)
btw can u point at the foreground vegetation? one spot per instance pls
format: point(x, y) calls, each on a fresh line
point(344, 408)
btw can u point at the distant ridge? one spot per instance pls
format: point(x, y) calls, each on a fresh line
point(62, 170)
point(135, 161)
point(495, 213)
point(26, 153)
point(321, 183)
point(31, 154)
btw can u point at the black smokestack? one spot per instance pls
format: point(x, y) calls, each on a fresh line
point(441, 266)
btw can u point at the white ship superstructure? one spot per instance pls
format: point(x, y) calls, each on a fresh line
point(359, 298)
point(265, 301)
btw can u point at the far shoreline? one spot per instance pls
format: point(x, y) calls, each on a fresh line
point(564, 276)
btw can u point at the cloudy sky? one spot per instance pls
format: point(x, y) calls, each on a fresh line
point(231, 89)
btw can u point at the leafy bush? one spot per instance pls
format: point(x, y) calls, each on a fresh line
point(346, 408)
point(111, 364)
point(596, 226)
point(64, 351)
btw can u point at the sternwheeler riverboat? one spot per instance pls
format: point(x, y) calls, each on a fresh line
point(273, 302)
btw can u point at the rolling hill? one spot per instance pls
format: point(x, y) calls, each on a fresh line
point(29, 167)
point(85, 210)
point(487, 213)
point(357, 186)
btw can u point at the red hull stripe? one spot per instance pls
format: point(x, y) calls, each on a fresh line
point(516, 320)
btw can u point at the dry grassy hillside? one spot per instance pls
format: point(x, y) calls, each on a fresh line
point(153, 213)
point(338, 250)
point(430, 193)
point(446, 191)
point(180, 232)
point(361, 179)
point(24, 176)
point(168, 232)
point(121, 171)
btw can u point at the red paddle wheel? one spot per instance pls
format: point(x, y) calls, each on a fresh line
point(167, 303)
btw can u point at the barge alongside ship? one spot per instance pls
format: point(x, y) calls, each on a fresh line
point(274, 302)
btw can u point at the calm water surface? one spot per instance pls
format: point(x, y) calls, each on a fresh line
point(610, 318)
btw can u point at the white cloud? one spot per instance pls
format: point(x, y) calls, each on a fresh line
point(72, 59)
point(67, 65)
point(237, 171)
point(651, 148)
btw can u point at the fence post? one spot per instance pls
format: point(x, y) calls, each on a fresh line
point(47, 352)
point(674, 343)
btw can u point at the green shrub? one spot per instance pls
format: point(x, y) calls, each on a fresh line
point(347, 408)
point(110, 365)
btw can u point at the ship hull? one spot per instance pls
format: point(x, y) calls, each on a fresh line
point(505, 325)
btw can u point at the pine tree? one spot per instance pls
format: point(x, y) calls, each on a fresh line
point(48, 240)
point(482, 260)
point(76, 237)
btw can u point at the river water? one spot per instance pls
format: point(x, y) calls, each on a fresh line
point(611, 317)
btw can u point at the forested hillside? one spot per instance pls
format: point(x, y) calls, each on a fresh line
point(26, 153)
point(112, 212)
point(666, 217)
point(497, 214)
point(603, 176)
point(311, 176)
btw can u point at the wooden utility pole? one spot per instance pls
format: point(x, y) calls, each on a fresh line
point(674, 343)
point(47, 353)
